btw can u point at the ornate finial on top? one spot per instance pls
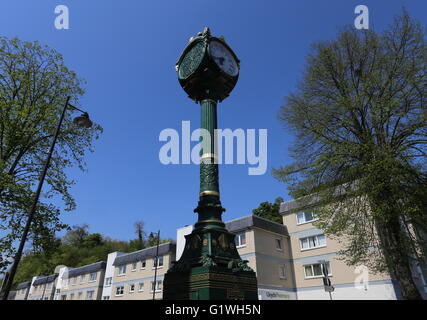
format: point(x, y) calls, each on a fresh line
point(207, 32)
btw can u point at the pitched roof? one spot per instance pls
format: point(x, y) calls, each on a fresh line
point(23, 285)
point(255, 221)
point(45, 279)
point(144, 253)
point(94, 267)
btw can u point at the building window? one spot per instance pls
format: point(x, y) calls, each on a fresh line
point(106, 298)
point(83, 278)
point(120, 290)
point(122, 269)
point(132, 288)
point(305, 217)
point(240, 239)
point(279, 245)
point(133, 267)
point(143, 264)
point(313, 242)
point(71, 296)
point(80, 295)
point(89, 295)
point(159, 262)
point(73, 281)
point(108, 281)
point(141, 287)
point(316, 270)
point(64, 297)
point(93, 276)
point(157, 287)
point(49, 285)
point(282, 271)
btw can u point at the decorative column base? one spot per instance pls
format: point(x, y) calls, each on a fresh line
point(210, 268)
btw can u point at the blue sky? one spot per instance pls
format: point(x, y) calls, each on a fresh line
point(126, 51)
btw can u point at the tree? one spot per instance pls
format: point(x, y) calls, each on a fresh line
point(270, 211)
point(76, 236)
point(139, 243)
point(34, 84)
point(360, 117)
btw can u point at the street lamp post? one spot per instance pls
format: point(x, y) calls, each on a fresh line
point(82, 121)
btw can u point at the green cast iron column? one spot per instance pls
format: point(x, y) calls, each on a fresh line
point(209, 207)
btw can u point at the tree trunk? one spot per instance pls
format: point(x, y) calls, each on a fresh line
point(397, 254)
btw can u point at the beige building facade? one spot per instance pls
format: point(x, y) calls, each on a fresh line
point(22, 290)
point(82, 283)
point(43, 287)
point(312, 250)
point(137, 275)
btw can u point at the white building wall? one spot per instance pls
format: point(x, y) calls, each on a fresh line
point(109, 273)
point(180, 239)
point(62, 277)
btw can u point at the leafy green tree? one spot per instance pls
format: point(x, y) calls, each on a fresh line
point(76, 236)
point(34, 84)
point(140, 242)
point(360, 117)
point(270, 211)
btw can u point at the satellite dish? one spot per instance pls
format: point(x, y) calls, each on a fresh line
point(59, 268)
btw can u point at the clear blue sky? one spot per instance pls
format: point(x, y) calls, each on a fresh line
point(126, 50)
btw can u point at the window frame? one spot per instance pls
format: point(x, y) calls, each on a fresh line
point(122, 272)
point(156, 261)
point(141, 287)
point(238, 239)
point(143, 264)
point(132, 269)
point(309, 242)
point(305, 219)
point(283, 275)
point(156, 286)
point(321, 269)
point(91, 292)
point(90, 276)
point(108, 281)
point(280, 242)
point(122, 290)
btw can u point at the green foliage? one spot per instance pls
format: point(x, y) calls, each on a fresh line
point(360, 117)
point(270, 211)
point(34, 84)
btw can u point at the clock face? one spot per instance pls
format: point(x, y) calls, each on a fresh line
point(223, 58)
point(191, 60)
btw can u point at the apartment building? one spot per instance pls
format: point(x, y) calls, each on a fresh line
point(139, 274)
point(82, 283)
point(43, 287)
point(311, 249)
point(266, 247)
point(22, 290)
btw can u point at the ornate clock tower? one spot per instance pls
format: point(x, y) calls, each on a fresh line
point(210, 267)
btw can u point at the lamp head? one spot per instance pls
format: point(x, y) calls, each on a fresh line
point(83, 120)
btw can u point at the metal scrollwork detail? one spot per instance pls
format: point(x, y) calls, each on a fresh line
point(239, 265)
point(209, 174)
point(207, 261)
